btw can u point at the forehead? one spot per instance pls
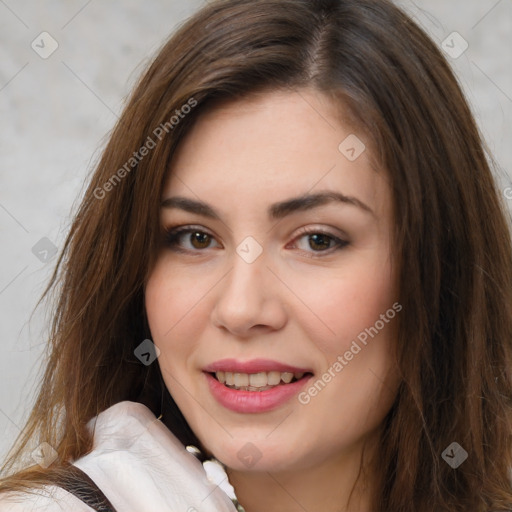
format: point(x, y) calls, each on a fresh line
point(270, 146)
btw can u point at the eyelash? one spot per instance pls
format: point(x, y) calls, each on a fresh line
point(172, 236)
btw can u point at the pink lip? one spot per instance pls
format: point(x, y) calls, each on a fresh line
point(252, 366)
point(254, 401)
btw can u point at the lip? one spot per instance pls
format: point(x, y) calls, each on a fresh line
point(252, 366)
point(252, 402)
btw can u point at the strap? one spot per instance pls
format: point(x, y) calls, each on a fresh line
point(84, 488)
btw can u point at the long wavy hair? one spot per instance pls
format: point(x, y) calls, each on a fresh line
point(451, 238)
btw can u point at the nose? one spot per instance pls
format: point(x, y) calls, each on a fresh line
point(249, 299)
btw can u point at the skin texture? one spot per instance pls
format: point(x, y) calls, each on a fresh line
point(301, 302)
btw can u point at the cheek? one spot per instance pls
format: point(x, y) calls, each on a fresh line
point(358, 383)
point(344, 304)
point(171, 297)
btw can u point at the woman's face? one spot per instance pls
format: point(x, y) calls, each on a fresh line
point(284, 272)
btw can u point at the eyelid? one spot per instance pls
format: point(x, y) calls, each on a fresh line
point(175, 231)
point(180, 228)
point(311, 229)
point(340, 243)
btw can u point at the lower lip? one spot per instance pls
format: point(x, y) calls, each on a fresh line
point(254, 401)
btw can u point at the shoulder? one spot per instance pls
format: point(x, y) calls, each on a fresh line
point(48, 499)
point(138, 464)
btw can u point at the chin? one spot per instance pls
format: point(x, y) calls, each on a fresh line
point(259, 456)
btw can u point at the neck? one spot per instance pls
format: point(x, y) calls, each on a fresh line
point(332, 485)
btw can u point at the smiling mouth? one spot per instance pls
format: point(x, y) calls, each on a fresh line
point(260, 381)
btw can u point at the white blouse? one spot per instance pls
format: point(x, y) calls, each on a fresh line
point(140, 466)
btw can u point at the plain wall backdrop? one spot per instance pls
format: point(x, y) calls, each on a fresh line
point(66, 67)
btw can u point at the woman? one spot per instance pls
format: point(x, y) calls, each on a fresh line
point(293, 257)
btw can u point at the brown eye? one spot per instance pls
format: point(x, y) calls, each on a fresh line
point(201, 239)
point(320, 241)
point(188, 239)
point(317, 243)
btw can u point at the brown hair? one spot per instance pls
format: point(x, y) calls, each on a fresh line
point(451, 239)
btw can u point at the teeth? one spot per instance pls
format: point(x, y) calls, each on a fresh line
point(286, 377)
point(241, 379)
point(273, 378)
point(256, 381)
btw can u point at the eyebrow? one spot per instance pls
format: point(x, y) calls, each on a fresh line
point(275, 211)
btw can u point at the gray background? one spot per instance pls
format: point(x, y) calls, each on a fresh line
point(55, 115)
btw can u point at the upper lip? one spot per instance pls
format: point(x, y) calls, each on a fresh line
point(252, 366)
